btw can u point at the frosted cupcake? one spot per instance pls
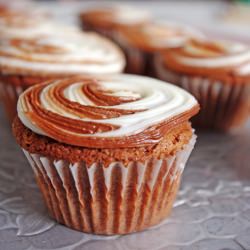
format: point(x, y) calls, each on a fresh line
point(140, 43)
point(107, 20)
point(24, 62)
point(18, 23)
point(217, 73)
point(108, 154)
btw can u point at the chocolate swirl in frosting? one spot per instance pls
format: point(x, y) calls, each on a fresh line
point(115, 111)
point(17, 23)
point(158, 35)
point(83, 53)
point(211, 55)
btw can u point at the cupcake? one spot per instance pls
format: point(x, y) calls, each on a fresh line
point(140, 43)
point(24, 62)
point(217, 73)
point(18, 23)
point(107, 153)
point(107, 20)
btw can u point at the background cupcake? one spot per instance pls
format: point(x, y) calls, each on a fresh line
point(107, 20)
point(24, 62)
point(19, 23)
point(108, 154)
point(217, 73)
point(140, 43)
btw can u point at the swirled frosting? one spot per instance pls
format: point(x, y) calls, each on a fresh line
point(17, 23)
point(81, 53)
point(114, 111)
point(158, 35)
point(211, 55)
point(120, 15)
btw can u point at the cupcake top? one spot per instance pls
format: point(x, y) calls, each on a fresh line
point(83, 53)
point(210, 57)
point(120, 111)
point(158, 35)
point(17, 23)
point(115, 16)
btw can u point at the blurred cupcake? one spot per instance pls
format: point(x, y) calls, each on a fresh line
point(140, 43)
point(217, 73)
point(18, 23)
point(107, 20)
point(24, 62)
point(108, 154)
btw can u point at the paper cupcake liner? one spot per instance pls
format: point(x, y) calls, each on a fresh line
point(9, 95)
point(138, 61)
point(224, 106)
point(11, 86)
point(107, 32)
point(116, 199)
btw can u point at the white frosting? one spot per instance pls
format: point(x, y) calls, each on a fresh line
point(79, 53)
point(160, 100)
point(234, 54)
point(18, 23)
point(125, 14)
point(169, 34)
point(129, 15)
point(33, 28)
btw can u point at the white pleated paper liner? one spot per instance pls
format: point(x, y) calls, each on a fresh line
point(224, 106)
point(139, 62)
point(116, 199)
point(9, 94)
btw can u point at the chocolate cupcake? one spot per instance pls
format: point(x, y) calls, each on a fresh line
point(107, 154)
point(217, 73)
point(24, 62)
point(141, 43)
point(107, 20)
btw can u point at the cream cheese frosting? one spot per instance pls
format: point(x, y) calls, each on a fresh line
point(215, 54)
point(168, 34)
point(17, 23)
point(156, 36)
point(120, 14)
point(78, 53)
point(120, 110)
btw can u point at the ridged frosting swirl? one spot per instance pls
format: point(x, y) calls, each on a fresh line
point(211, 55)
point(79, 53)
point(159, 35)
point(109, 112)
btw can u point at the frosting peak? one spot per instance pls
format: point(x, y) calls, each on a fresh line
point(109, 112)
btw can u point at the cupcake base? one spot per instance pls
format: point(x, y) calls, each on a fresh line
point(224, 106)
point(113, 199)
point(9, 97)
point(11, 86)
point(139, 62)
point(105, 31)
